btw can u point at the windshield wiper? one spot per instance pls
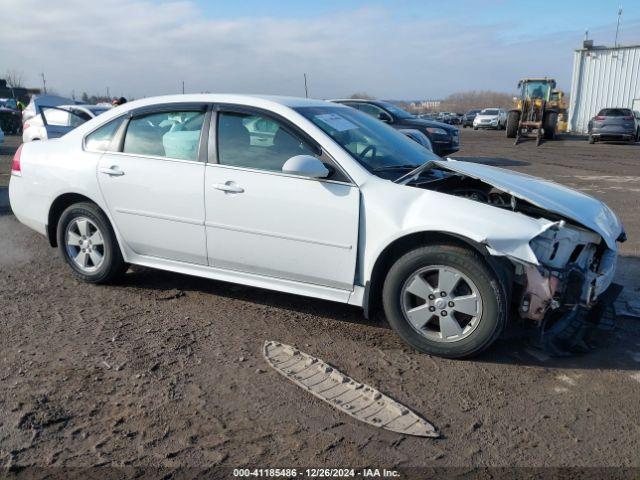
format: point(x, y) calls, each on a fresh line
point(415, 171)
point(395, 167)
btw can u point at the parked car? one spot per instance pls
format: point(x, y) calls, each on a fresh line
point(53, 122)
point(338, 206)
point(615, 124)
point(10, 116)
point(417, 136)
point(444, 138)
point(467, 119)
point(495, 118)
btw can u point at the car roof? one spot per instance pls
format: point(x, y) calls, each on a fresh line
point(288, 101)
point(358, 100)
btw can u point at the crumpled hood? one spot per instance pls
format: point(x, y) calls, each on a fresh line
point(577, 206)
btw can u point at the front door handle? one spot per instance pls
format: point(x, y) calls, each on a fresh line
point(229, 187)
point(113, 170)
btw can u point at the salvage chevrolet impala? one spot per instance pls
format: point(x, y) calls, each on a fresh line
point(319, 199)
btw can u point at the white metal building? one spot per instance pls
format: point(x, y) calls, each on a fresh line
point(603, 77)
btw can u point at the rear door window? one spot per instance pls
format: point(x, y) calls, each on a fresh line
point(168, 134)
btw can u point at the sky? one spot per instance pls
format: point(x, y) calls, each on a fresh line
point(403, 49)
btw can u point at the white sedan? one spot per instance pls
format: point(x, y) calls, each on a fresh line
point(56, 121)
point(319, 199)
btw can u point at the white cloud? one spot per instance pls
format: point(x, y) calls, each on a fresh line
point(140, 47)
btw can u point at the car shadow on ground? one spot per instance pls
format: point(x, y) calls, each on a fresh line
point(617, 350)
point(494, 161)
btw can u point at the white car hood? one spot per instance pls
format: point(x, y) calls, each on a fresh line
point(571, 204)
point(486, 117)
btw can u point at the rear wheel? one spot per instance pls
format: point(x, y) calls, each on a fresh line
point(89, 245)
point(513, 120)
point(445, 300)
point(592, 139)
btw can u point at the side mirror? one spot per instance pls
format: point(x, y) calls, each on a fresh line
point(306, 166)
point(384, 117)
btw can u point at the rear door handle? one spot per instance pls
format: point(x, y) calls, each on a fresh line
point(114, 171)
point(229, 187)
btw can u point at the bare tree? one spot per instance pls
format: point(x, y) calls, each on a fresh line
point(14, 78)
point(463, 101)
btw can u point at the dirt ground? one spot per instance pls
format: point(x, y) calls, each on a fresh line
point(166, 370)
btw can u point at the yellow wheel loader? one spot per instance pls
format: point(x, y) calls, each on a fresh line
point(534, 110)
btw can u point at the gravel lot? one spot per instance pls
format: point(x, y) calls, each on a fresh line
point(166, 370)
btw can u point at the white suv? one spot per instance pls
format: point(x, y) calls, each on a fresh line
point(495, 118)
point(317, 199)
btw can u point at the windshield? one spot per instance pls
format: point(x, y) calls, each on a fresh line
point(614, 112)
point(375, 145)
point(537, 89)
point(8, 103)
point(489, 111)
point(398, 112)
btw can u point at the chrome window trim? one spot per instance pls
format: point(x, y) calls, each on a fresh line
point(280, 174)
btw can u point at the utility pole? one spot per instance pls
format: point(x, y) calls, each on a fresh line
point(183, 87)
point(306, 91)
point(108, 94)
point(44, 83)
point(615, 44)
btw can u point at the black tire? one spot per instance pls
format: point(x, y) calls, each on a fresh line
point(475, 128)
point(549, 125)
point(592, 139)
point(513, 120)
point(113, 265)
point(470, 263)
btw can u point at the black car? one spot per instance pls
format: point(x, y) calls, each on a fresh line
point(467, 119)
point(615, 124)
point(10, 116)
point(444, 138)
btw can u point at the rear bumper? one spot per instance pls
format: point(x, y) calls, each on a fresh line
point(27, 208)
point(624, 135)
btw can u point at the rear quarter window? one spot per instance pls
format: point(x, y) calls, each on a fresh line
point(100, 139)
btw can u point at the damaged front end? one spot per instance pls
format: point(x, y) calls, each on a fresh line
point(570, 293)
point(564, 282)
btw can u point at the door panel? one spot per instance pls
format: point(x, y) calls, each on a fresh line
point(157, 204)
point(282, 226)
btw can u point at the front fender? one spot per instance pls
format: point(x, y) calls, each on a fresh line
point(393, 211)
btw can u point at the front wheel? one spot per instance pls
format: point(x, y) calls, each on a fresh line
point(513, 121)
point(445, 300)
point(89, 245)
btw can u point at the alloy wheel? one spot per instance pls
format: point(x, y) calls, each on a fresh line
point(441, 303)
point(84, 244)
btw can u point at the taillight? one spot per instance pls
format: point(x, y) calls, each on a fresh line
point(599, 117)
point(15, 164)
point(628, 118)
point(25, 126)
